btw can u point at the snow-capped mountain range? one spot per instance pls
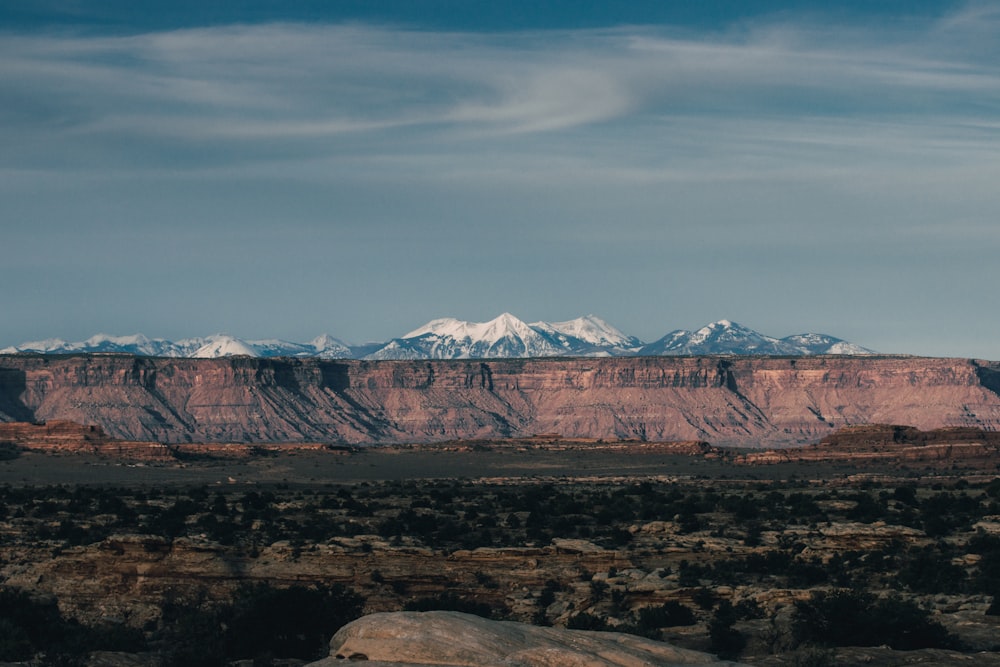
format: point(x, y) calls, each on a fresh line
point(506, 337)
point(725, 337)
point(503, 337)
point(219, 345)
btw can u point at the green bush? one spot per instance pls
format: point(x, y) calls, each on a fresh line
point(294, 622)
point(30, 625)
point(667, 615)
point(451, 602)
point(930, 571)
point(854, 618)
point(586, 621)
point(260, 622)
point(724, 640)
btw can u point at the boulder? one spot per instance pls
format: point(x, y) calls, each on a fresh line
point(437, 638)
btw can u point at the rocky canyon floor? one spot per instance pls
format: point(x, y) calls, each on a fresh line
point(228, 555)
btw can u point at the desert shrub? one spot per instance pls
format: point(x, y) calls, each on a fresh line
point(689, 575)
point(906, 495)
point(867, 509)
point(724, 640)
point(194, 636)
point(619, 537)
point(930, 571)
point(855, 618)
point(705, 598)
point(15, 644)
point(586, 621)
point(688, 523)
point(944, 513)
point(994, 608)
point(743, 508)
point(800, 572)
point(222, 530)
point(293, 622)
point(748, 609)
point(752, 534)
point(598, 589)
point(986, 578)
point(804, 507)
point(31, 625)
point(548, 594)
point(260, 621)
point(451, 602)
point(28, 624)
point(814, 656)
point(667, 615)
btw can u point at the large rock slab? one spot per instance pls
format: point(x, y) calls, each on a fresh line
point(438, 638)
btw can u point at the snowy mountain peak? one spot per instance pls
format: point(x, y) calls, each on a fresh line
point(224, 345)
point(503, 326)
point(728, 337)
point(814, 343)
point(47, 346)
point(492, 331)
point(448, 338)
point(328, 347)
point(722, 327)
point(440, 326)
point(589, 330)
point(725, 334)
point(121, 341)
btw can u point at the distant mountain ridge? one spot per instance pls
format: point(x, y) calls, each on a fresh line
point(219, 345)
point(726, 337)
point(504, 337)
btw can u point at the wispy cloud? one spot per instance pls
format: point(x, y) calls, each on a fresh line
point(296, 81)
point(791, 137)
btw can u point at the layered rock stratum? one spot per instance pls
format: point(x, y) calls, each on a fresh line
point(431, 639)
point(725, 400)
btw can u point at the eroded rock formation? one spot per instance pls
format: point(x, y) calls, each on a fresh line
point(891, 443)
point(429, 639)
point(738, 401)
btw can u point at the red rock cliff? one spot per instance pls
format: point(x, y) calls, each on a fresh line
point(746, 401)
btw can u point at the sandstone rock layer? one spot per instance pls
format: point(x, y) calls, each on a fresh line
point(450, 638)
point(739, 401)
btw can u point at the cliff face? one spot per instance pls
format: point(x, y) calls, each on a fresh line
point(746, 401)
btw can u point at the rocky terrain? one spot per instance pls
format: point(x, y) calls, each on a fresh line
point(757, 402)
point(429, 639)
point(877, 545)
point(892, 444)
point(62, 437)
point(768, 571)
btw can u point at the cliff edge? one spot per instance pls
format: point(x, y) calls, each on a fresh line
point(760, 401)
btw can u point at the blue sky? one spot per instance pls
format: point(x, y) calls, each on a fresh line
point(358, 168)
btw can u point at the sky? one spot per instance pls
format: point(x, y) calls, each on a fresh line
point(285, 169)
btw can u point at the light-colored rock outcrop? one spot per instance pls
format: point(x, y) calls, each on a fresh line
point(460, 640)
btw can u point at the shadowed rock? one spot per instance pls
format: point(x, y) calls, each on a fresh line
point(436, 638)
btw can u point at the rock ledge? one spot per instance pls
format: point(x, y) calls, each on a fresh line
point(438, 638)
